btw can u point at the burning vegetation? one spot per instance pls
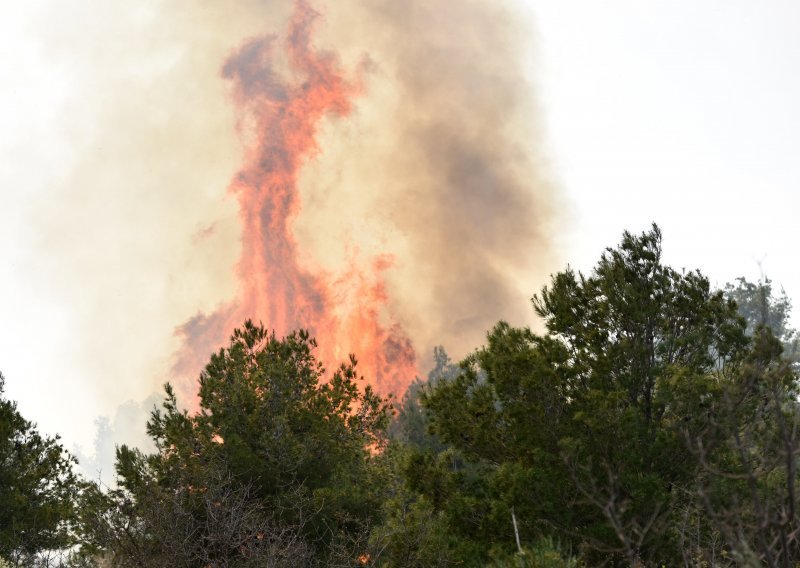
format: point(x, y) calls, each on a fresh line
point(383, 187)
point(279, 117)
point(650, 425)
point(653, 421)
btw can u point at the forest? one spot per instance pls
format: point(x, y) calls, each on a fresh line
point(654, 421)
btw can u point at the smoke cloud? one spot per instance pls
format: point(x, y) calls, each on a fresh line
point(446, 153)
point(344, 306)
point(420, 207)
point(424, 183)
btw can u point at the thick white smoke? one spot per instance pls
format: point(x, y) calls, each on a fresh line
point(439, 165)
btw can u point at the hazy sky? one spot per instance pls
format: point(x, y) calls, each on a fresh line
point(679, 112)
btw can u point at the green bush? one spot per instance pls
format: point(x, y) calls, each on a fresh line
point(545, 553)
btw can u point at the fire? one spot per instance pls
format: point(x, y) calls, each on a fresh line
point(279, 116)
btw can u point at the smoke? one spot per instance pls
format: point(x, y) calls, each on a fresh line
point(443, 211)
point(127, 228)
point(417, 208)
point(446, 149)
point(126, 426)
point(279, 119)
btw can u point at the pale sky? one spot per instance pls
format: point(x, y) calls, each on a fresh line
point(681, 112)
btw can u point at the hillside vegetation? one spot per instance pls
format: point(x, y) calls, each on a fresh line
point(654, 422)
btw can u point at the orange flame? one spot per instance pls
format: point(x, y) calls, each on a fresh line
point(279, 119)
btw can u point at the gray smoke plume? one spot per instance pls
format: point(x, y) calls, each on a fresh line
point(446, 152)
point(440, 165)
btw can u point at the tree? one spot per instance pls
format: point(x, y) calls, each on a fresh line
point(415, 530)
point(38, 489)
point(410, 424)
point(759, 305)
point(211, 521)
point(578, 427)
point(274, 465)
point(747, 448)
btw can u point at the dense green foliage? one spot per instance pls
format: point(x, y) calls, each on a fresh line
point(273, 469)
point(578, 426)
point(643, 428)
point(38, 489)
point(653, 422)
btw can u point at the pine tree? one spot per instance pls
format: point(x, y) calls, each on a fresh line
point(38, 488)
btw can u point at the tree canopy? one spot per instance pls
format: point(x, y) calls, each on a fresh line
point(605, 430)
point(654, 421)
point(759, 305)
point(272, 470)
point(38, 488)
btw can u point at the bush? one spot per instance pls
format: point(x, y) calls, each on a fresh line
point(546, 553)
